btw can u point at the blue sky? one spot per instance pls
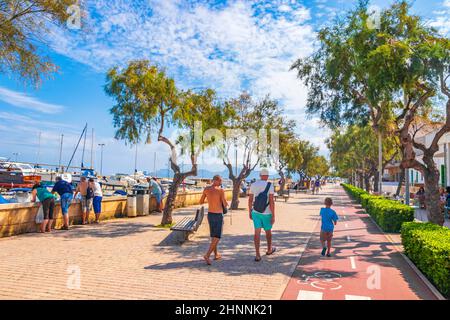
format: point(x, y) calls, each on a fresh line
point(229, 46)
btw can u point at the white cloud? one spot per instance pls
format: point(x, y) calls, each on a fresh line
point(243, 45)
point(442, 20)
point(246, 45)
point(24, 101)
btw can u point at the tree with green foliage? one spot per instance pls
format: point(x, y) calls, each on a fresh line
point(242, 132)
point(318, 167)
point(22, 26)
point(148, 102)
point(301, 155)
point(287, 153)
point(364, 74)
point(354, 151)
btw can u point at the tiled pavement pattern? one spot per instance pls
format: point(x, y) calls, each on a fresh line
point(128, 259)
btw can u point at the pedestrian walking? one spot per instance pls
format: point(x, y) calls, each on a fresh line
point(261, 208)
point(98, 198)
point(217, 206)
point(65, 192)
point(329, 220)
point(47, 200)
point(87, 198)
point(317, 186)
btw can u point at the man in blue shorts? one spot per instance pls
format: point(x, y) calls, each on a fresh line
point(65, 191)
point(264, 219)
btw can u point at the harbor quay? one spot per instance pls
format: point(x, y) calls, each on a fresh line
point(19, 218)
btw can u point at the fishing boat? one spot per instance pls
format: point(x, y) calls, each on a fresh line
point(17, 175)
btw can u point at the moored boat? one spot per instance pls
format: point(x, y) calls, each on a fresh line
point(17, 175)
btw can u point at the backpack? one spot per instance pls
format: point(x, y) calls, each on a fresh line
point(262, 200)
point(89, 193)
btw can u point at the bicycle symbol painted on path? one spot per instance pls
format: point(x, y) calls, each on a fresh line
point(322, 280)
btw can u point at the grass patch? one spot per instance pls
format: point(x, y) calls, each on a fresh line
point(165, 226)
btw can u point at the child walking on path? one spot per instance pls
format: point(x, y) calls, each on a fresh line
point(329, 220)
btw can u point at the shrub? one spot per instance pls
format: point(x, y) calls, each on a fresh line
point(388, 214)
point(354, 192)
point(428, 246)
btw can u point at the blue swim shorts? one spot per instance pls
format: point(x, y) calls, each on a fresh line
point(262, 221)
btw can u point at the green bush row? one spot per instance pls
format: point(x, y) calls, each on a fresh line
point(388, 214)
point(428, 246)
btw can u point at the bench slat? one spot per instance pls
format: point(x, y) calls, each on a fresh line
point(187, 224)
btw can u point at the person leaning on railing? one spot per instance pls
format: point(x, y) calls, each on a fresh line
point(47, 199)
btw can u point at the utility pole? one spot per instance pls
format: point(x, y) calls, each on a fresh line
point(407, 178)
point(101, 145)
point(135, 162)
point(380, 162)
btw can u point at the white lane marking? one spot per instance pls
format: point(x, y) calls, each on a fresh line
point(349, 239)
point(346, 225)
point(351, 297)
point(353, 262)
point(309, 295)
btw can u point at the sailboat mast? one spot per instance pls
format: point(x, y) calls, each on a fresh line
point(60, 154)
point(84, 147)
point(76, 148)
point(39, 149)
point(92, 149)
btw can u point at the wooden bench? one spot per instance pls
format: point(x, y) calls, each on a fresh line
point(189, 225)
point(285, 195)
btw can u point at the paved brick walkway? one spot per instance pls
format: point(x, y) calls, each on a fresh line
point(127, 259)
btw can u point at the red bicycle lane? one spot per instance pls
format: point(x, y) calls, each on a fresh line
point(364, 265)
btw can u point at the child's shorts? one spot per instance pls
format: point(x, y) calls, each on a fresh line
point(326, 236)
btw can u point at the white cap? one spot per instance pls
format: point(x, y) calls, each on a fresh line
point(264, 172)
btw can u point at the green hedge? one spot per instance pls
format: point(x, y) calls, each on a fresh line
point(388, 214)
point(428, 246)
point(355, 192)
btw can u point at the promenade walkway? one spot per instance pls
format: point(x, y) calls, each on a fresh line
point(130, 259)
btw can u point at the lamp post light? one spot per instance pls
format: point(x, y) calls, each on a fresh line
point(101, 145)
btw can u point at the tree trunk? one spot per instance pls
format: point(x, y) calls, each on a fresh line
point(432, 197)
point(360, 181)
point(236, 192)
point(283, 181)
point(170, 202)
point(367, 182)
point(400, 183)
point(376, 182)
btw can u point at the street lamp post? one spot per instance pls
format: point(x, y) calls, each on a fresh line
point(101, 145)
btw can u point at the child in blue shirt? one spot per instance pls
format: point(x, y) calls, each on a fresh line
point(329, 220)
